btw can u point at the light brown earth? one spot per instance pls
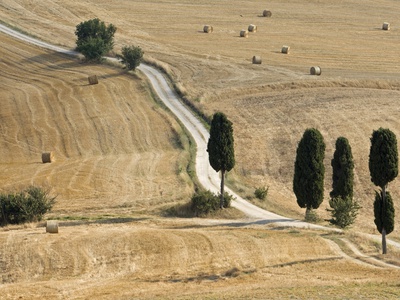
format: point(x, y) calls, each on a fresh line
point(119, 156)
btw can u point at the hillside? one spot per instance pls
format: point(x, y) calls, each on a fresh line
point(116, 150)
point(120, 157)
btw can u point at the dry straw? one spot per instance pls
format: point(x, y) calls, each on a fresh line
point(386, 26)
point(285, 49)
point(93, 79)
point(52, 226)
point(47, 157)
point(208, 29)
point(257, 60)
point(252, 28)
point(244, 33)
point(267, 13)
point(315, 71)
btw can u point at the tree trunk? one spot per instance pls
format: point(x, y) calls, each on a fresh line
point(221, 201)
point(384, 248)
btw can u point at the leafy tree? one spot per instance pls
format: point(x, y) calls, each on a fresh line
point(94, 38)
point(220, 147)
point(343, 174)
point(383, 168)
point(309, 169)
point(131, 57)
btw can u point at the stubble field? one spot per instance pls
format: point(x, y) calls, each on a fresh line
point(119, 154)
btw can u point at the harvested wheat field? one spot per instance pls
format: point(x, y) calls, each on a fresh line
point(120, 158)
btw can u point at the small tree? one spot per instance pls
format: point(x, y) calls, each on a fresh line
point(383, 168)
point(309, 169)
point(344, 211)
point(94, 38)
point(131, 57)
point(384, 219)
point(220, 147)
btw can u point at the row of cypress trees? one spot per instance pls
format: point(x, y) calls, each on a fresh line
point(308, 181)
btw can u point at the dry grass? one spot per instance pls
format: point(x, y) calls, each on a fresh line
point(117, 152)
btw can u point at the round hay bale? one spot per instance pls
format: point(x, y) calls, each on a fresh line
point(252, 28)
point(208, 29)
point(244, 33)
point(257, 60)
point(48, 157)
point(52, 226)
point(285, 49)
point(93, 79)
point(386, 26)
point(267, 13)
point(315, 71)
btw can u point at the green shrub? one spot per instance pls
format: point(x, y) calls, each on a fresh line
point(131, 57)
point(261, 193)
point(344, 211)
point(204, 202)
point(29, 205)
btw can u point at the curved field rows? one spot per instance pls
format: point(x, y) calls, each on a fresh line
point(146, 261)
point(114, 147)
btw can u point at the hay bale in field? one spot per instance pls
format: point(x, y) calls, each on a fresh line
point(285, 49)
point(52, 226)
point(252, 28)
point(386, 26)
point(267, 13)
point(315, 71)
point(47, 157)
point(257, 60)
point(244, 33)
point(93, 79)
point(208, 29)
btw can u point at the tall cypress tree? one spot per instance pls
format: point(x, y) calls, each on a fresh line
point(383, 168)
point(343, 208)
point(220, 147)
point(342, 170)
point(309, 170)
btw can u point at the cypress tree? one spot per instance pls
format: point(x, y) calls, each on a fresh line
point(383, 168)
point(220, 147)
point(309, 169)
point(342, 170)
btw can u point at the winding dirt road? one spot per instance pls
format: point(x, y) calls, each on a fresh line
point(206, 175)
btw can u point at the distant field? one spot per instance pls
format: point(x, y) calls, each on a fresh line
point(118, 153)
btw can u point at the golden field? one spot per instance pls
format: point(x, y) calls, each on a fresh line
point(120, 155)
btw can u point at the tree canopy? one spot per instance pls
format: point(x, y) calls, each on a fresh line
point(384, 213)
point(342, 170)
point(131, 57)
point(383, 157)
point(308, 181)
point(94, 38)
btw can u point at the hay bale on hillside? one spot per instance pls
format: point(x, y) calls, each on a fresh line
point(315, 71)
point(244, 33)
point(257, 60)
point(52, 226)
point(267, 13)
point(285, 49)
point(93, 79)
point(48, 157)
point(252, 28)
point(208, 29)
point(386, 26)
